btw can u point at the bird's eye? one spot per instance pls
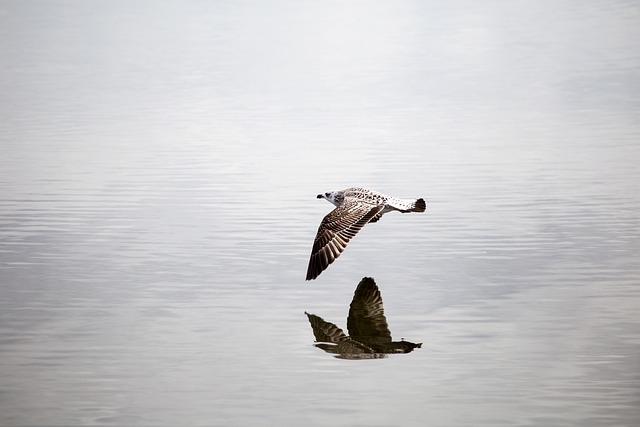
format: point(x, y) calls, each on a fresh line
point(326, 194)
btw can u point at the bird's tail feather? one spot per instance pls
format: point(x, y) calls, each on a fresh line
point(419, 205)
point(405, 205)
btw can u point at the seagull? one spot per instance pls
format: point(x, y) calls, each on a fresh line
point(369, 336)
point(355, 207)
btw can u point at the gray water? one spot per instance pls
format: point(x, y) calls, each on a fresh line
point(159, 163)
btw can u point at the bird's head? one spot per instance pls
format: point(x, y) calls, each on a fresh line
point(332, 196)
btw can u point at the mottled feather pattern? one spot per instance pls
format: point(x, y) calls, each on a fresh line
point(355, 207)
point(335, 232)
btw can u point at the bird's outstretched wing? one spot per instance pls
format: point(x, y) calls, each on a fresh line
point(332, 339)
point(366, 322)
point(325, 331)
point(335, 232)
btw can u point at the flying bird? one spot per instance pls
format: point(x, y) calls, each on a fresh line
point(369, 336)
point(355, 207)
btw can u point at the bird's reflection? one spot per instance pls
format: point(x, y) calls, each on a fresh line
point(369, 335)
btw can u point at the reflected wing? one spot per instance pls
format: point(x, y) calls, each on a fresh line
point(366, 321)
point(325, 331)
point(335, 232)
point(331, 339)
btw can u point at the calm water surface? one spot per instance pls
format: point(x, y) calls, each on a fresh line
point(158, 171)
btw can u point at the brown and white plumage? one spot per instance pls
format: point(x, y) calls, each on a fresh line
point(355, 207)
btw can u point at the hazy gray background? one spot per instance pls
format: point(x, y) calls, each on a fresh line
point(159, 163)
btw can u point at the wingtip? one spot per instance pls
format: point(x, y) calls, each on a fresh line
point(311, 275)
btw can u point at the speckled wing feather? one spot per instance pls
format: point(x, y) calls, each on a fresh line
point(335, 232)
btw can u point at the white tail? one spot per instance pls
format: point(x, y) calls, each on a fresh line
point(403, 205)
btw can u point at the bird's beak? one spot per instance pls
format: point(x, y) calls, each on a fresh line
point(320, 196)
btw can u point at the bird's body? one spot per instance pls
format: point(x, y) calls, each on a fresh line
point(355, 207)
